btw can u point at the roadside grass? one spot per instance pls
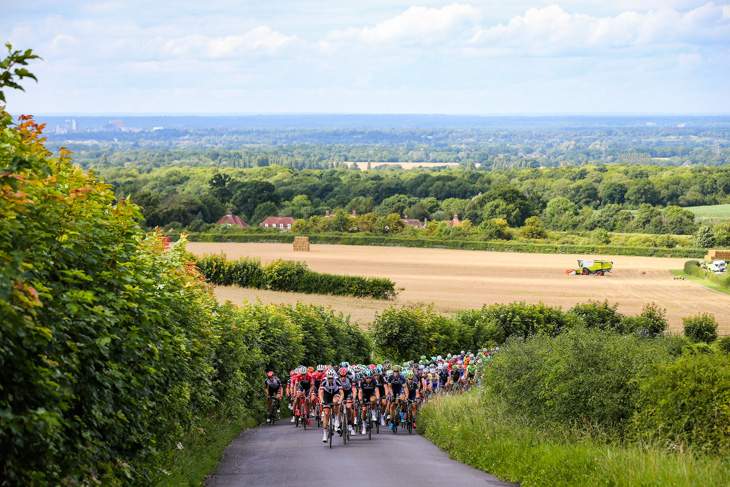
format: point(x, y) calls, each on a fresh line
point(202, 450)
point(481, 432)
point(712, 285)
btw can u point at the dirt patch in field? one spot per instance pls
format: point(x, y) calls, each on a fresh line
point(461, 279)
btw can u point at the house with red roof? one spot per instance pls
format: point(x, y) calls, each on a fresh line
point(412, 222)
point(232, 220)
point(455, 222)
point(280, 222)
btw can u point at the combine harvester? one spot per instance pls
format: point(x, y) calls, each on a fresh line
point(585, 267)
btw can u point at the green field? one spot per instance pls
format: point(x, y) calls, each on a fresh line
point(711, 212)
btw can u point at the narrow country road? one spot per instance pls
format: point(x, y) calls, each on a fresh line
point(282, 455)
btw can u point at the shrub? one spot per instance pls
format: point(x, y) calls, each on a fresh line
point(723, 344)
point(650, 323)
point(580, 376)
point(700, 328)
point(686, 402)
point(595, 314)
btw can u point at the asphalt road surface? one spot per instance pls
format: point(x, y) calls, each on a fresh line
point(282, 455)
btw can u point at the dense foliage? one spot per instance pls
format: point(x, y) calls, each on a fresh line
point(412, 331)
point(289, 276)
point(112, 346)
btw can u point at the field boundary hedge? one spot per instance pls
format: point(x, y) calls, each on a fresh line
point(290, 276)
point(485, 245)
point(692, 268)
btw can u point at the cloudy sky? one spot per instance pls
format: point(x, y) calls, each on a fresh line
point(372, 56)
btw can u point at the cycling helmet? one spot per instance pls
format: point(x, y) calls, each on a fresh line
point(270, 374)
point(344, 364)
point(463, 352)
point(368, 374)
point(479, 361)
point(291, 372)
point(423, 357)
point(387, 361)
point(439, 358)
point(410, 375)
point(371, 367)
point(343, 371)
point(331, 374)
point(448, 356)
point(396, 368)
point(320, 368)
point(310, 369)
point(496, 349)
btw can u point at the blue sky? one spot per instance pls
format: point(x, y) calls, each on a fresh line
point(374, 56)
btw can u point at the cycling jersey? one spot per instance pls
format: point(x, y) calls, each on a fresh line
point(317, 378)
point(396, 383)
point(380, 383)
point(305, 382)
point(411, 388)
point(368, 389)
point(455, 375)
point(347, 388)
point(273, 386)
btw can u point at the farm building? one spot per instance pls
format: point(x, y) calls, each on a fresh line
point(412, 222)
point(281, 222)
point(455, 222)
point(232, 220)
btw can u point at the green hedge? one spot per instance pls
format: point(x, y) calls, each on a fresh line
point(494, 246)
point(692, 267)
point(289, 276)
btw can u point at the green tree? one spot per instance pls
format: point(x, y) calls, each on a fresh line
point(263, 211)
point(561, 214)
point(704, 237)
point(533, 228)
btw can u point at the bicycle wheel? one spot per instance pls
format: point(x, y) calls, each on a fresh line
point(344, 427)
point(318, 412)
point(330, 431)
point(377, 420)
point(303, 415)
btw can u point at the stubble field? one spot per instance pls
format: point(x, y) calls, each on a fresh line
point(460, 279)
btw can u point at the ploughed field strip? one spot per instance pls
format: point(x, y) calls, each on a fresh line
point(460, 279)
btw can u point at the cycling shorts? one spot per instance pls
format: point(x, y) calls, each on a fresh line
point(367, 394)
point(328, 397)
point(347, 395)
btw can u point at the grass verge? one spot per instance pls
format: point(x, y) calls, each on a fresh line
point(201, 452)
point(481, 432)
point(712, 285)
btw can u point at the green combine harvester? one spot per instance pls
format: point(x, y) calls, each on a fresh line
point(585, 267)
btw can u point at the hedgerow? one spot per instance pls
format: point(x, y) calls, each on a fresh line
point(450, 243)
point(289, 276)
point(113, 349)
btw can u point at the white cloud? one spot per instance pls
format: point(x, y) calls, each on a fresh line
point(417, 26)
point(261, 40)
point(552, 30)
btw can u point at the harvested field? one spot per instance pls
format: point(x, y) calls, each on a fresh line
point(460, 279)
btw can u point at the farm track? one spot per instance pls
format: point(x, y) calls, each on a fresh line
point(461, 279)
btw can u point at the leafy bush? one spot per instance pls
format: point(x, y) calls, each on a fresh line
point(700, 328)
point(582, 375)
point(723, 344)
point(650, 323)
point(686, 402)
point(595, 314)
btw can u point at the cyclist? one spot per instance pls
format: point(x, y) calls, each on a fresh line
point(330, 392)
point(380, 383)
point(395, 388)
point(305, 386)
point(368, 393)
point(454, 377)
point(290, 388)
point(273, 389)
point(347, 395)
point(412, 393)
